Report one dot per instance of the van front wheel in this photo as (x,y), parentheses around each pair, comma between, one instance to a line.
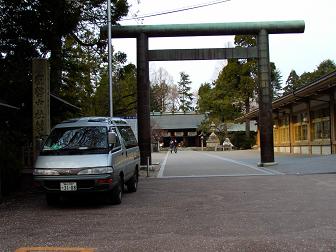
(132,184)
(115,196)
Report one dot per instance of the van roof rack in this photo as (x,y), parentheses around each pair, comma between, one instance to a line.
(110,120)
(71,120)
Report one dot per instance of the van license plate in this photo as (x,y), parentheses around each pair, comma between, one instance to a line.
(68,186)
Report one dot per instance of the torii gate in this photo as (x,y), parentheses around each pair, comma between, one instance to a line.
(260,52)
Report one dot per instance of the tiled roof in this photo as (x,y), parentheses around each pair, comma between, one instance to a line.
(176,121)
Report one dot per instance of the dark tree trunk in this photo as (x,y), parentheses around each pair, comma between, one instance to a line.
(0,186)
(56,63)
(247,121)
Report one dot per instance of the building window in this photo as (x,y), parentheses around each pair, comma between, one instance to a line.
(300,125)
(284,129)
(276,132)
(320,124)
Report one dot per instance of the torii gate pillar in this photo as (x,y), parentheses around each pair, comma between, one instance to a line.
(143,101)
(265,101)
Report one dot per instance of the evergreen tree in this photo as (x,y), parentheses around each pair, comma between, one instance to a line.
(230,90)
(275,81)
(324,68)
(185,96)
(205,94)
(292,82)
(124,92)
(236,86)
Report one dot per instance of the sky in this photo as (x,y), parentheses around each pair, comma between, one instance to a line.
(301,52)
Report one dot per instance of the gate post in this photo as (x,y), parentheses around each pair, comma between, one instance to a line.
(265,101)
(143,95)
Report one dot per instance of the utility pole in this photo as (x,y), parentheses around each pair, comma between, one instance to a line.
(109,54)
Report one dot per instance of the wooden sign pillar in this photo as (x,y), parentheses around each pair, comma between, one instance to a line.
(41,102)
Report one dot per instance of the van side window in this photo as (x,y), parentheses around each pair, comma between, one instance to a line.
(127,134)
(117,144)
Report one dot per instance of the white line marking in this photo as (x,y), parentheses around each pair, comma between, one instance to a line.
(240,163)
(162,167)
(273,171)
(211,176)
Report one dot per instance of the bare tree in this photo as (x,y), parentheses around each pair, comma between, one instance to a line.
(173,98)
(160,82)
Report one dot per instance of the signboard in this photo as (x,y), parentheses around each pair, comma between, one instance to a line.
(179,134)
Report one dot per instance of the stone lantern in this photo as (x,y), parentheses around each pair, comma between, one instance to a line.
(213,140)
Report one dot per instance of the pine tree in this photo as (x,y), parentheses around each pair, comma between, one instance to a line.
(292,82)
(275,81)
(186,97)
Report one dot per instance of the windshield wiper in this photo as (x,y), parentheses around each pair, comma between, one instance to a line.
(92,148)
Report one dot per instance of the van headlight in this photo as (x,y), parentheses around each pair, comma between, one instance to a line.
(45,172)
(96,170)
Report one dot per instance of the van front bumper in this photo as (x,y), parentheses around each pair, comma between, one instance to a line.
(84,183)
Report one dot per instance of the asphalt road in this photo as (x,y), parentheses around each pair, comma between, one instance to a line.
(239,163)
(208,164)
(252,212)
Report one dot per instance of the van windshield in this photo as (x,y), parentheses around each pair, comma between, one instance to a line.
(76,140)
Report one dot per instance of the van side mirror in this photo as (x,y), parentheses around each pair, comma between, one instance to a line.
(112,138)
(40,142)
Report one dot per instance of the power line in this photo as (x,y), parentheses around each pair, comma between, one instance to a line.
(176,10)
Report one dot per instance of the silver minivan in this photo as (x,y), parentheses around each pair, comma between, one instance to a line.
(89,155)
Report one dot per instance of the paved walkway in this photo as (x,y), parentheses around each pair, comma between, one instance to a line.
(188,163)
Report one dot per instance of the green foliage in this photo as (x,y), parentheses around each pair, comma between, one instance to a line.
(294,81)
(324,68)
(232,87)
(68,33)
(186,97)
(123,91)
(237,138)
(205,97)
(235,88)
(275,81)
(240,141)
(245,40)
(11,142)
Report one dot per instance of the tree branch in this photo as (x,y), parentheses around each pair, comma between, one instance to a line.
(74,36)
(133,94)
(128,108)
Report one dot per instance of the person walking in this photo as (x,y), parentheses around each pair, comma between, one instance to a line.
(173,145)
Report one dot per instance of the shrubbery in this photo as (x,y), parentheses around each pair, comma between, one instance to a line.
(10,162)
(240,141)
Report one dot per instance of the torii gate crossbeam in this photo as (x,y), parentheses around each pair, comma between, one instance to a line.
(261,52)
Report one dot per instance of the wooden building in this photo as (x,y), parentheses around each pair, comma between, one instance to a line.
(179,125)
(304,120)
